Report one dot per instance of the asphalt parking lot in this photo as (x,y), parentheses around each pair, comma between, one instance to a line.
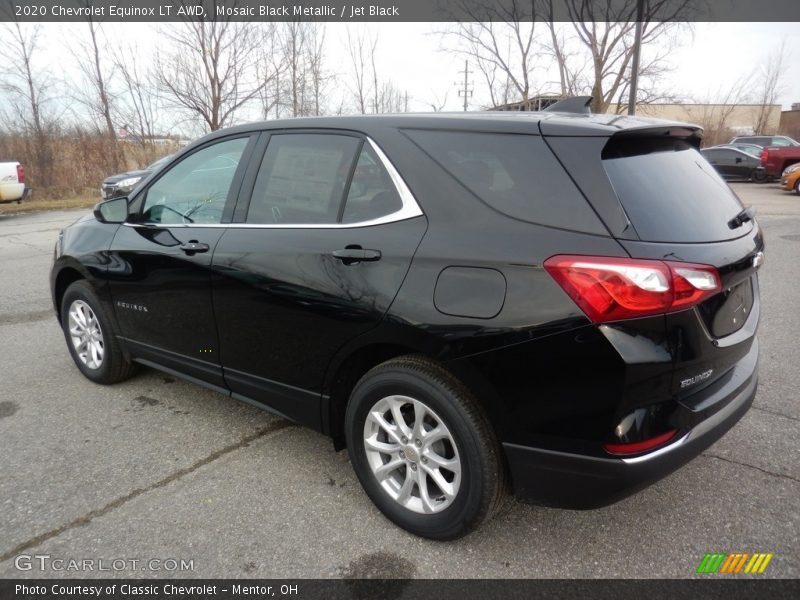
(157,468)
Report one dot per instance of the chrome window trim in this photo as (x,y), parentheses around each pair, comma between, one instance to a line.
(410,208)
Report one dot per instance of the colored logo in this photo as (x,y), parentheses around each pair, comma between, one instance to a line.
(738,562)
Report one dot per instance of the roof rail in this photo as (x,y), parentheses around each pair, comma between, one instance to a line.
(576,104)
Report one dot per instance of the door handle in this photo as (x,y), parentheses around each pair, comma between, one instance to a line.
(193,246)
(354,254)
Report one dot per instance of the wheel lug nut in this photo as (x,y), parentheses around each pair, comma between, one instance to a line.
(413,467)
(424,459)
(405,439)
(418,443)
(402,454)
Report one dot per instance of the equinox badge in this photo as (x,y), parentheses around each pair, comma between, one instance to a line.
(696,379)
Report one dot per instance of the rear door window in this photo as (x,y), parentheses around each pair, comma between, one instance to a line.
(670,192)
(302,179)
(514,174)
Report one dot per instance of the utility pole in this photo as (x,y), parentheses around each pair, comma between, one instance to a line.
(465,91)
(637,47)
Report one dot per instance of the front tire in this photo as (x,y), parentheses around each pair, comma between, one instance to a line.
(90,338)
(424,449)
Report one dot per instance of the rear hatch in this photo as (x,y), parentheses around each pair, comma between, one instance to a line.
(673,206)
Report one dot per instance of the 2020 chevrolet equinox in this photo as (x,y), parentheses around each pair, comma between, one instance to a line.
(560,304)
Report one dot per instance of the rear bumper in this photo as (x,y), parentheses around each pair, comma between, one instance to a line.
(14,192)
(577,481)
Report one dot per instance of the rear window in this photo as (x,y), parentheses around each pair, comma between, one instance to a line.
(514,174)
(670,192)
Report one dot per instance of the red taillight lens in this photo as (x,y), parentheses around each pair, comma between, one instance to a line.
(764,156)
(20,174)
(639,447)
(610,289)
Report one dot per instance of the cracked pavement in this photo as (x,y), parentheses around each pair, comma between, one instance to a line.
(160,468)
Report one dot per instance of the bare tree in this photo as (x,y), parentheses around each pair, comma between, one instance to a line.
(270,69)
(28,92)
(500,40)
(768,86)
(94,93)
(437,104)
(606,31)
(305,77)
(210,69)
(358,47)
(570,67)
(137,108)
(713,112)
(318,73)
(371,92)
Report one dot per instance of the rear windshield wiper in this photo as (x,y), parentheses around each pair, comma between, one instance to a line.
(748,214)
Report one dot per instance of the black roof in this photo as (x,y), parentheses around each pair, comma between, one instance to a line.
(538,123)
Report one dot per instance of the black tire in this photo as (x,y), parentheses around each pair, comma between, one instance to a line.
(114,367)
(797,187)
(759,176)
(482,484)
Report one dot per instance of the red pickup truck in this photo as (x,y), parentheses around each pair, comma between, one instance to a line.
(775,159)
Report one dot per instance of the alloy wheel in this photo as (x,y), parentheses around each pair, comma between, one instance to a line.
(86,334)
(412,454)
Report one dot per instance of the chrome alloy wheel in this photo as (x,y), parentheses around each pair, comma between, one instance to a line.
(86,335)
(412,454)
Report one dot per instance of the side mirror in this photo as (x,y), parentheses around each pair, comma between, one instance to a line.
(112,211)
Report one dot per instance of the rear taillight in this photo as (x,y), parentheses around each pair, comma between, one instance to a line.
(764,156)
(20,174)
(610,289)
(640,447)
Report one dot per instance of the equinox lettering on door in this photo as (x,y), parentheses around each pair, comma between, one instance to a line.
(130,306)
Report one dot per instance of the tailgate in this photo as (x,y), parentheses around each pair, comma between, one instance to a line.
(670,204)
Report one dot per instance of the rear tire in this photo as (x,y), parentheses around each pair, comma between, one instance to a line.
(90,337)
(758,176)
(424,449)
(797,186)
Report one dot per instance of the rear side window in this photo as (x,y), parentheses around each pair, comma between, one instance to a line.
(372,194)
(670,192)
(514,174)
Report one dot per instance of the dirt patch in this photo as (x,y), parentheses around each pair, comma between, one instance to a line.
(382,575)
(146,401)
(8,408)
(26,317)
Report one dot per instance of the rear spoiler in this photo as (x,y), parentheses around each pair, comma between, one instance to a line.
(657,136)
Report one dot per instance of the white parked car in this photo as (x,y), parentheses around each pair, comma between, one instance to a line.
(12,182)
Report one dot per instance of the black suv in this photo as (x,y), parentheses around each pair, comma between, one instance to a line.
(563,304)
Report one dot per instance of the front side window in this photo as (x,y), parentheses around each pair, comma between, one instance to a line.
(196,189)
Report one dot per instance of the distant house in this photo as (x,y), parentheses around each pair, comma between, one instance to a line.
(790,122)
(531,104)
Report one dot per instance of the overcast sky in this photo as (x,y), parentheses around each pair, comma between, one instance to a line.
(411,55)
